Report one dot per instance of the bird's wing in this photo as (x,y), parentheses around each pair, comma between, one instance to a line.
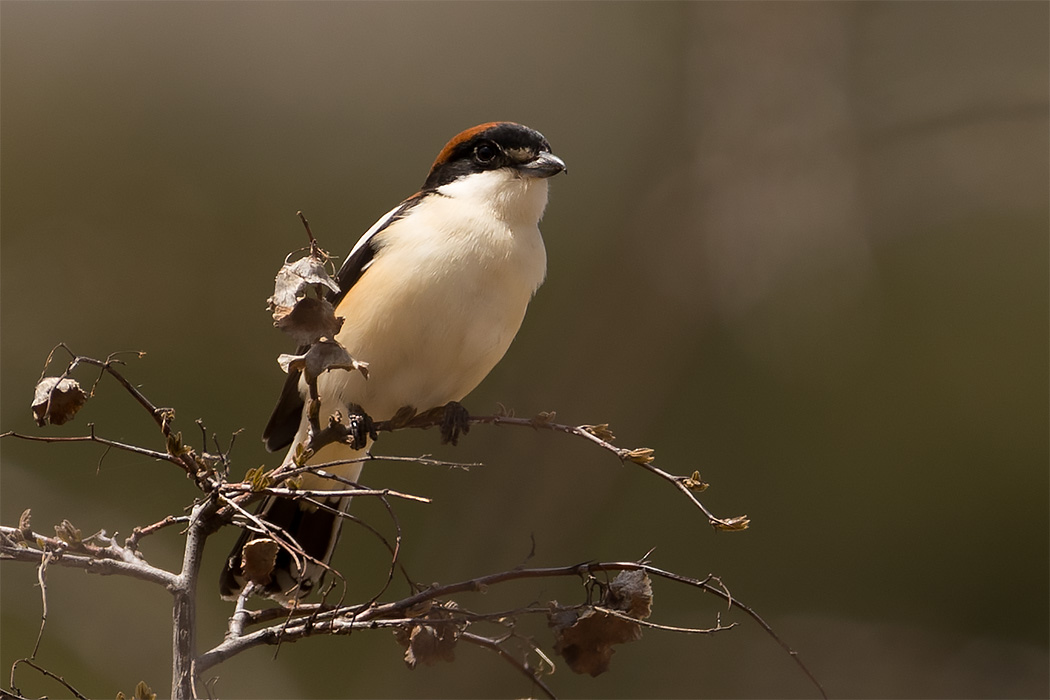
(287,414)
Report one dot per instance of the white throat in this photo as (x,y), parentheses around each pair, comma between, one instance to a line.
(509,196)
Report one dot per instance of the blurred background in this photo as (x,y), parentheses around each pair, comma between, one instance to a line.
(802,248)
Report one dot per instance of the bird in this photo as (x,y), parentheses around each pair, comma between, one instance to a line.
(431,297)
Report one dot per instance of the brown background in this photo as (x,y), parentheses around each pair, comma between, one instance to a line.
(801,248)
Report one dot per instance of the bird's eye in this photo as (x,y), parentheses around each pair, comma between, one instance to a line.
(485,153)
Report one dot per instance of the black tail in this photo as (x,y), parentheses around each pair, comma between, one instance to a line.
(315,530)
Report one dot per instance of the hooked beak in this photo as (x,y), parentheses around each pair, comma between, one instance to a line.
(543,165)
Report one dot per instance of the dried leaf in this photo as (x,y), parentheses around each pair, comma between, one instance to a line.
(429,642)
(56,400)
(631,592)
(293,282)
(695,483)
(642,455)
(321,357)
(585,639)
(309,320)
(24,528)
(257,560)
(175,446)
(740,522)
(144,692)
(68,533)
(328,354)
(544,417)
(291,363)
(600,431)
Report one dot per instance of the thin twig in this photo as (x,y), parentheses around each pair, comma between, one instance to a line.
(138,533)
(47,673)
(719,627)
(94,438)
(493,645)
(323,493)
(41,577)
(642,457)
(107,367)
(306,224)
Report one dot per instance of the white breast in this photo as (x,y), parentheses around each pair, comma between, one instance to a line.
(444,296)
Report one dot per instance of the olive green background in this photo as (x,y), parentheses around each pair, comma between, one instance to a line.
(801,248)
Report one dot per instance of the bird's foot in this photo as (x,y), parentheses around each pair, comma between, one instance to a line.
(359,427)
(455,421)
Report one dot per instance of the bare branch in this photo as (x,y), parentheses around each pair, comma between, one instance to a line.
(41,577)
(225,501)
(719,627)
(494,645)
(321,493)
(153,454)
(107,367)
(44,671)
(184,592)
(113,559)
(132,542)
(599,435)
(344,620)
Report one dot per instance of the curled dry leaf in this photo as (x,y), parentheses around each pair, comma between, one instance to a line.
(144,692)
(740,522)
(585,636)
(56,400)
(309,320)
(695,483)
(431,641)
(631,592)
(322,356)
(24,527)
(600,431)
(642,455)
(294,280)
(68,533)
(544,418)
(257,560)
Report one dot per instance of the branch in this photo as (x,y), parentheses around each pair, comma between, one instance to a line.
(41,577)
(177,453)
(107,368)
(184,591)
(343,620)
(113,559)
(153,454)
(321,493)
(599,435)
(44,671)
(132,542)
(494,646)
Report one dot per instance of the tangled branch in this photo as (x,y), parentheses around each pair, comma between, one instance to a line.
(429,622)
